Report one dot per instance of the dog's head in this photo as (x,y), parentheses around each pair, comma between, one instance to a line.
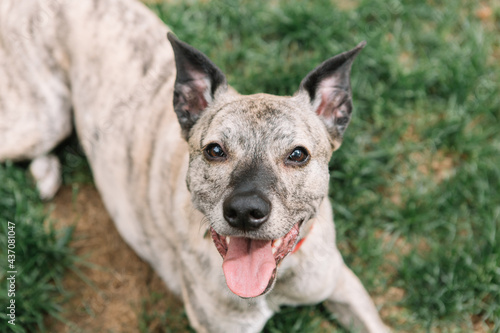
(258,167)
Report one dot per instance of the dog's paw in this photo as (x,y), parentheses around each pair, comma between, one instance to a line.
(46,171)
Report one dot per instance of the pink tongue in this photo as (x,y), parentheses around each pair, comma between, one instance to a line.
(248,266)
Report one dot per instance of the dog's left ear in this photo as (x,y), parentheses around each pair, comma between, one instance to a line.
(329,90)
(198,80)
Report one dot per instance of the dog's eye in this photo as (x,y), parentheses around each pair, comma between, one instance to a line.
(299,156)
(214,152)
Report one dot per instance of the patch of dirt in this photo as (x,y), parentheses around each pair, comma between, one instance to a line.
(346,5)
(485,13)
(118,296)
(391,311)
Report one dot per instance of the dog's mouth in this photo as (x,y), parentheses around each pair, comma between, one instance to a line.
(250,265)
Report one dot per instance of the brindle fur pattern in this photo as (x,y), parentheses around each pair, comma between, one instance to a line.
(257,135)
(106,69)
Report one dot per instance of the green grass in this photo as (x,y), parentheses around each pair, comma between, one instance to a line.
(416,185)
(42,255)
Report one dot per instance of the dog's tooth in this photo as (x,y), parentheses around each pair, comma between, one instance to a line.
(274,249)
(228,239)
(277,243)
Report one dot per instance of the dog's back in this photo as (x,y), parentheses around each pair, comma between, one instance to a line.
(106,68)
(101,58)
(33,92)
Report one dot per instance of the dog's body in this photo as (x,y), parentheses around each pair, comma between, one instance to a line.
(261,156)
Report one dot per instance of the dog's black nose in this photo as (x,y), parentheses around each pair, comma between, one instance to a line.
(247,210)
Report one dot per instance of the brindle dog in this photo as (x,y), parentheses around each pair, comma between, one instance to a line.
(228,202)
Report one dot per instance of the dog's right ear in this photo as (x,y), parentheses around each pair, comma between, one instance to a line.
(198,81)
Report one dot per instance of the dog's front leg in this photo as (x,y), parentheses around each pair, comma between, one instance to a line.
(352,304)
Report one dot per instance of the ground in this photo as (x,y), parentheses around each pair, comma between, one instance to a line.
(119,283)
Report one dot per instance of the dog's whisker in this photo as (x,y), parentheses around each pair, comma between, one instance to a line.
(204,224)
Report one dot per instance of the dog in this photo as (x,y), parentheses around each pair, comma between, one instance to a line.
(224,195)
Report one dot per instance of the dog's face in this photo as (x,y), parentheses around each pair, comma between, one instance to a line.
(259,153)
(258,164)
